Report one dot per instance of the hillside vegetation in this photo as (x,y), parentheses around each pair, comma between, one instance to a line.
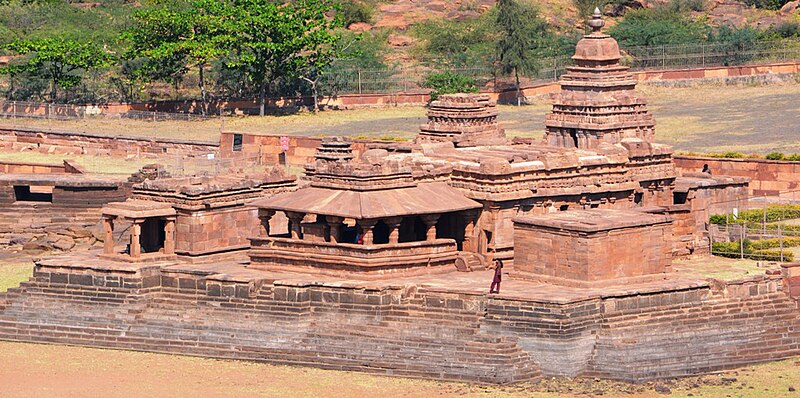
(67,51)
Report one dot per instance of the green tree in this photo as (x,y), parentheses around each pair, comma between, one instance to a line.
(449,83)
(59,60)
(277,39)
(659,26)
(175,37)
(521,30)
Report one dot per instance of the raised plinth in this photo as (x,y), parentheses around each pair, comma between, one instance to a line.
(593,247)
(361,261)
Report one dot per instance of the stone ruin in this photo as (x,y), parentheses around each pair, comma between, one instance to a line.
(376,262)
(463,119)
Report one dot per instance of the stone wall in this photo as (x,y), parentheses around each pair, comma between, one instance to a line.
(301,149)
(408,330)
(67,166)
(767,177)
(73,143)
(215,230)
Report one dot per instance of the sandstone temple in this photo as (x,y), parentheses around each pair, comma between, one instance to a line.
(376,260)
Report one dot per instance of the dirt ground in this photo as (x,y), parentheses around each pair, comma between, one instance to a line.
(34,370)
(709,118)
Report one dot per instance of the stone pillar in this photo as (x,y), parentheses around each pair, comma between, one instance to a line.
(430,226)
(470,217)
(169,236)
(108,229)
(296,219)
(334,225)
(366,230)
(265,215)
(136,232)
(394,228)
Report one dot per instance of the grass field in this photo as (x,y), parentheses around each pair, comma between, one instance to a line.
(757,119)
(32,370)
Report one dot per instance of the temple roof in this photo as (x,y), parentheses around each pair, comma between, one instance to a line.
(425,198)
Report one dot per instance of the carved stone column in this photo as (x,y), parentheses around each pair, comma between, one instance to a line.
(108,229)
(335,226)
(470,217)
(296,219)
(169,236)
(430,226)
(265,215)
(136,232)
(394,228)
(366,230)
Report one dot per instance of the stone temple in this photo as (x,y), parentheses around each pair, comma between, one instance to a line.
(376,259)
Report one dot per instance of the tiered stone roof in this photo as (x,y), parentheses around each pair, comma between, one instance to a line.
(598,103)
(464,119)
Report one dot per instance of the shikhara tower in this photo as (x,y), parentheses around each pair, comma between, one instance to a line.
(598,103)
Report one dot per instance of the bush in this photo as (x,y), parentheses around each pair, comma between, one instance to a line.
(749,249)
(775,156)
(449,83)
(794,158)
(767,4)
(358,11)
(764,244)
(658,26)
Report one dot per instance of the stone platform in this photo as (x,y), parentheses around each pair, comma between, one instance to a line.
(434,326)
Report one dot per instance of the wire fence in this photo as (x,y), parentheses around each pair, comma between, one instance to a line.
(763,228)
(344,79)
(43,110)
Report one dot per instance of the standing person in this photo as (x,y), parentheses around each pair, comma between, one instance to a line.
(498,277)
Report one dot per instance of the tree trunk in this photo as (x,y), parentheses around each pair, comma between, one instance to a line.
(262,98)
(516,76)
(202,84)
(54,91)
(316,97)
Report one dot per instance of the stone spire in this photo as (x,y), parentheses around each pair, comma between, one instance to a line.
(598,103)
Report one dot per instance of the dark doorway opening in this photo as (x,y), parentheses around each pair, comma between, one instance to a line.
(24,193)
(153,235)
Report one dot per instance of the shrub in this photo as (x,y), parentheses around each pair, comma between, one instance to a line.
(794,158)
(449,83)
(734,250)
(775,156)
(358,11)
(773,243)
(658,26)
(767,4)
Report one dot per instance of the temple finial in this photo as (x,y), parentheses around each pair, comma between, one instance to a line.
(597,22)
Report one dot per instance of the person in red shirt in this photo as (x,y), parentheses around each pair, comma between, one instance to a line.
(498,277)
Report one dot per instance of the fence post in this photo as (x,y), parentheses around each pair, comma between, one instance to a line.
(764,224)
(780,241)
(741,241)
(359,81)
(703,46)
(663,57)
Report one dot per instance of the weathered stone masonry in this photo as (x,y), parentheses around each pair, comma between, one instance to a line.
(408,331)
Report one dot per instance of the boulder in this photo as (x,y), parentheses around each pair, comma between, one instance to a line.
(400,41)
(359,27)
(790,7)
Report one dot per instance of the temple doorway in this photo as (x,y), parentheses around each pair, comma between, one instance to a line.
(153,235)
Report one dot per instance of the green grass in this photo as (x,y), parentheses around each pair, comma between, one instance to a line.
(14,271)
(92,164)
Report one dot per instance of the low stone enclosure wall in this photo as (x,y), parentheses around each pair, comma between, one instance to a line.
(634,333)
(72,143)
(767,177)
(67,167)
(503,94)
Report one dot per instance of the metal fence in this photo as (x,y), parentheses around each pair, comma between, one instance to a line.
(763,228)
(344,79)
(43,110)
